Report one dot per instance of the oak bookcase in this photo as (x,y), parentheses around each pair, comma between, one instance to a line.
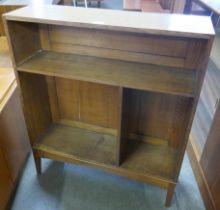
(110,89)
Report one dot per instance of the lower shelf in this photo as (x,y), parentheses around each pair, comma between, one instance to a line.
(151,159)
(78,143)
(144,160)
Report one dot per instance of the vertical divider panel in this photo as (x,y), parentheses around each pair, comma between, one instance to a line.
(44,36)
(52,92)
(122,135)
(119,143)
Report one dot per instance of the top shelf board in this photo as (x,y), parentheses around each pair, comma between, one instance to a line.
(149,23)
(28,2)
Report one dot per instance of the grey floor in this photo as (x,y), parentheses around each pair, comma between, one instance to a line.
(72,187)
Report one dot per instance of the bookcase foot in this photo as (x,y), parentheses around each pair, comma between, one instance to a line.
(37,160)
(170,192)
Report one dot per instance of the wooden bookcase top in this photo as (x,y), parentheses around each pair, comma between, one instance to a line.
(150,23)
(28,2)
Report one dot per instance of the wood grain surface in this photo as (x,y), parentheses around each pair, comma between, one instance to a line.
(150,23)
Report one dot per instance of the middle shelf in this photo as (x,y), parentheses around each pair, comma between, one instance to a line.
(176,81)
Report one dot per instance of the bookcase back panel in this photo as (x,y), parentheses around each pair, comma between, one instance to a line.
(99,104)
(161,116)
(195,54)
(118,41)
(68,98)
(145,107)
(181,119)
(159,50)
(85,102)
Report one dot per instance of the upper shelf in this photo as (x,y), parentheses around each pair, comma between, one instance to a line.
(150,23)
(155,78)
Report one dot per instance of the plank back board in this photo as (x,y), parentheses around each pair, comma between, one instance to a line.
(151,49)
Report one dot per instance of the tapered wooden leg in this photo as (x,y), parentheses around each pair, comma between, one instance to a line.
(170,192)
(37,160)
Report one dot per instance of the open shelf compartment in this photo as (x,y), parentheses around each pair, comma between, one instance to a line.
(152,132)
(150,159)
(79,119)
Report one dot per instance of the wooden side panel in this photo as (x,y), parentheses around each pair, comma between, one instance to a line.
(216,192)
(14,135)
(5,181)
(199,175)
(206,106)
(25,39)
(4,9)
(210,158)
(36,104)
(201,66)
